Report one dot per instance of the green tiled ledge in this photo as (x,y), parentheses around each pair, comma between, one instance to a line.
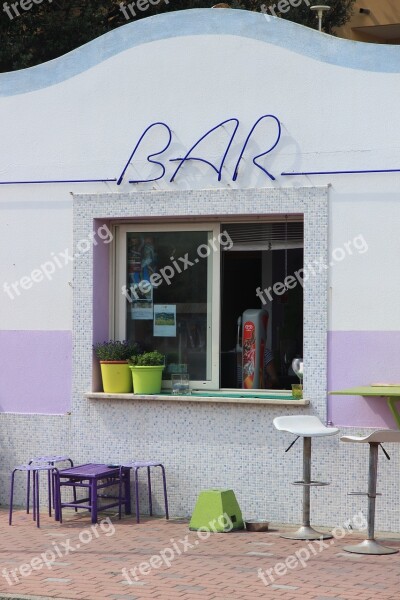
(204,397)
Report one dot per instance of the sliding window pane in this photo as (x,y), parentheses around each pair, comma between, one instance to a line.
(169,307)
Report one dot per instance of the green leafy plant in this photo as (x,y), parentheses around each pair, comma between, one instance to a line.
(147,359)
(340,13)
(116,350)
(50,29)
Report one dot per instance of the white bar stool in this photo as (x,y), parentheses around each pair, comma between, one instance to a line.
(375,439)
(306,427)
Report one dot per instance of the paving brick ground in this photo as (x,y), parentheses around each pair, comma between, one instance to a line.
(88,564)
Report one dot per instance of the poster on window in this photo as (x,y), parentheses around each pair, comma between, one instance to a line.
(142,304)
(141,265)
(164,320)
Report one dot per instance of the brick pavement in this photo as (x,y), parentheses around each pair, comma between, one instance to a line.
(222,567)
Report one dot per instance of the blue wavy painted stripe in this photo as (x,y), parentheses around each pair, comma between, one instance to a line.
(302,40)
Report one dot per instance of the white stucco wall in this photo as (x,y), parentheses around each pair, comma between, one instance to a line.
(85,127)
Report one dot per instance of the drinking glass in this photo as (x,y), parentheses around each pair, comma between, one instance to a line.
(297,391)
(180,384)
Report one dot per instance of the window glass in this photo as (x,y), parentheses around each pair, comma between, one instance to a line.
(169,297)
(175,299)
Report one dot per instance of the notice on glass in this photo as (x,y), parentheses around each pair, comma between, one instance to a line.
(164,320)
(142,304)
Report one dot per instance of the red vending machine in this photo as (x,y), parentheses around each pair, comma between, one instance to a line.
(254,335)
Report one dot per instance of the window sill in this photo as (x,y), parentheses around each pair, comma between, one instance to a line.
(278,399)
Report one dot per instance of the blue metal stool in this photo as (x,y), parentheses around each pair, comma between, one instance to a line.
(47,460)
(148,464)
(35,469)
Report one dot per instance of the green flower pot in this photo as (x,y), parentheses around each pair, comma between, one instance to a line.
(116,376)
(147,380)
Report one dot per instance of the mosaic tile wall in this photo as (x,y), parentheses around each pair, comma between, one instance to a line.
(210,445)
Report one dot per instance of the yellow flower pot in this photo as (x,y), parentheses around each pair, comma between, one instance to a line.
(116,376)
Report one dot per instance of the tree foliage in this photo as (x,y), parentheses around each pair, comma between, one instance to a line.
(54,27)
(338,15)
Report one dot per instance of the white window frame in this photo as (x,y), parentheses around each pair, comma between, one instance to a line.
(118,315)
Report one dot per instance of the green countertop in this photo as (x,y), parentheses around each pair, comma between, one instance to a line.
(370,390)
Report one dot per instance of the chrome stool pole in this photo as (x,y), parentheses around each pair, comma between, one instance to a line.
(306,532)
(370,545)
(306,427)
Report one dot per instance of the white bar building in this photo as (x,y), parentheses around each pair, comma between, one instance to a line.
(262,159)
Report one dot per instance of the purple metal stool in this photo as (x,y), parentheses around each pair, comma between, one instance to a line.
(33,468)
(136,465)
(46,460)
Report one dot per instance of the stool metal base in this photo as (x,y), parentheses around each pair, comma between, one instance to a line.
(370,547)
(306,533)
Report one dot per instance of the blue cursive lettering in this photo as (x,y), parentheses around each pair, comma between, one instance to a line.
(149,157)
(235,174)
(189,157)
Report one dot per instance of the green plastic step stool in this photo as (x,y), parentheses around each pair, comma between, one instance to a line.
(216,510)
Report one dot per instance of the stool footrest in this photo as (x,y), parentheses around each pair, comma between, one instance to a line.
(310,483)
(363,494)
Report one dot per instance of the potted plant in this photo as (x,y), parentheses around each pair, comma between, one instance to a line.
(147,371)
(113,357)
